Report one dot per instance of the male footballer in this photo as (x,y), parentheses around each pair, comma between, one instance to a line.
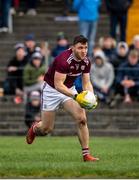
(58,90)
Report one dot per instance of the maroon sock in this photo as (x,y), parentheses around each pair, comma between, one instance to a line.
(85,151)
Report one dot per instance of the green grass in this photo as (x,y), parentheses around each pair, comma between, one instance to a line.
(60,157)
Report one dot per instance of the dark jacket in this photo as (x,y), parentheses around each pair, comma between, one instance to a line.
(58,49)
(118,6)
(117,61)
(19,64)
(128,71)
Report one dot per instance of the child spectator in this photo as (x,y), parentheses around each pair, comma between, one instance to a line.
(102,76)
(33,73)
(32,109)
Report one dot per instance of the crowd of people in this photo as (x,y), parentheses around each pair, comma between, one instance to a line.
(115,67)
(114,71)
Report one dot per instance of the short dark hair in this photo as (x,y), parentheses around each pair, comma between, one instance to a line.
(80,39)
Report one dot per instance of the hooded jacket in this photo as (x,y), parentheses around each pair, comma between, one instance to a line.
(102,76)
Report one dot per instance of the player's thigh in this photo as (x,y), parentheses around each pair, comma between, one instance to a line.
(75,110)
(48,119)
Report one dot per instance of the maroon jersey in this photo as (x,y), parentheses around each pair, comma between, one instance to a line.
(67,64)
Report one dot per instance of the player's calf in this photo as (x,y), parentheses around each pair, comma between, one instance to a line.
(36,130)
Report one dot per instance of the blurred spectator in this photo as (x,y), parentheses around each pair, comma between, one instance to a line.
(96,48)
(62,44)
(118,10)
(30,45)
(5,6)
(121,55)
(102,76)
(33,73)
(13,84)
(88,12)
(32,109)
(108,45)
(128,78)
(135,44)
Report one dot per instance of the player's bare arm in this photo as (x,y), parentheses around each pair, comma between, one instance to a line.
(86,83)
(59,79)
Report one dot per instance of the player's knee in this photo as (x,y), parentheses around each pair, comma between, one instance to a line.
(81,119)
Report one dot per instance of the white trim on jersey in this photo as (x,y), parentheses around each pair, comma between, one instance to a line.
(74,74)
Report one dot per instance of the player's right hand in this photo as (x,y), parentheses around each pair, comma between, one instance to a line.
(80,98)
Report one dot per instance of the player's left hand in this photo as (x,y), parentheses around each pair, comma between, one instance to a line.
(81,100)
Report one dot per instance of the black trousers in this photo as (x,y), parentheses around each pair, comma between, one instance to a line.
(121,20)
(133,91)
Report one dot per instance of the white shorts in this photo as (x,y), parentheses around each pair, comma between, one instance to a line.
(51,99)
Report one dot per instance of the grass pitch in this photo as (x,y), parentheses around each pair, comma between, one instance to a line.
(60,157)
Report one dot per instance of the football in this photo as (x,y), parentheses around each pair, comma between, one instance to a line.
(91,98)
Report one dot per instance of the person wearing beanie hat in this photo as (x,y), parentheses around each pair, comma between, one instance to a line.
(33,73)
(13,84)
(36,55)
(61,45)
(30,37)
(18,46)
(32,110)
(30,45)
(121,55)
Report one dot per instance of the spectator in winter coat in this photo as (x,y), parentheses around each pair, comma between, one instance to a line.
(102,76)
(121,55)
(14,81)
(62,44)
(88,12)
(128,77)
(30,45)
(33,73)
(118,10)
